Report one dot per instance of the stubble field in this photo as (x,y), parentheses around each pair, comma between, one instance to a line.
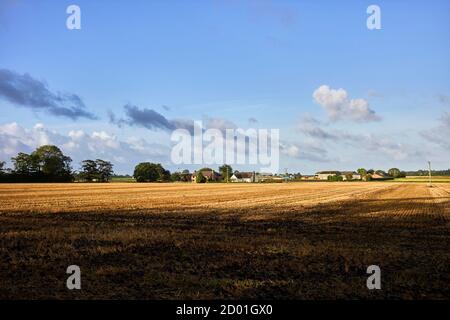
(247,241)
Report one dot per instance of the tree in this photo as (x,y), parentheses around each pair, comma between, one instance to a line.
(176,177)
(89,170)
(226,171)
(104,169)
(2,167)
(370,171)
(164,175)
(150,172)
(362,172)
(22,163)
(349,176)
(185,176)
(46,163)
(394,172)
(50,161)
(99,170)
(335,178)
(200,178)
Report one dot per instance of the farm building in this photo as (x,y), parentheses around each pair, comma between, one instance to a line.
(323,175)
(243,177)
(379,175)
(354,175)
(210,175)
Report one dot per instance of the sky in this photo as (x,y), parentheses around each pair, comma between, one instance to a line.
(341,95)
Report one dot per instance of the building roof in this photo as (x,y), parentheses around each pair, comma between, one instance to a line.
(349,172)
(328,172)
(243,175)
(207,174)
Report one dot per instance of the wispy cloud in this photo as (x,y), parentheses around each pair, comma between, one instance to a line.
(441,133)
(26,91)
(369,143)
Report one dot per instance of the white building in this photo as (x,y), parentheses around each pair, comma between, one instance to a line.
(323,175)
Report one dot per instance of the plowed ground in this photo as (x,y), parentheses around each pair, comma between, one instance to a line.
(174,241)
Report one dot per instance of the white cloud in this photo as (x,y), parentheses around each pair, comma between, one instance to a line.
(80,145)
(339,107)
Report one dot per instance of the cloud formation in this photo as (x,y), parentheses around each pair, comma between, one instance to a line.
(370,143)
(153,120)
(81,145)
(339,107)
(304,151)
(25,91)
(440,134)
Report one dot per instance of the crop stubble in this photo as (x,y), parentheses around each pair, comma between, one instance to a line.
(291,240)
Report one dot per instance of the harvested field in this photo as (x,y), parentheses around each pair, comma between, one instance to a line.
(173,241)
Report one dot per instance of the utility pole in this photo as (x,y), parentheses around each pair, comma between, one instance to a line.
(429,172)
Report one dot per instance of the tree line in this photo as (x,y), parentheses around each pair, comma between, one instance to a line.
(49,164)
(426,173)
(392,173)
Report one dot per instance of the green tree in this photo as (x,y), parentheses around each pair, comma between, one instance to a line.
(176,176)
(185,176)
(150,172)
(349,176)
(226,171)
(50,161)
(394,172)
(335,178)
(104,169)
(22,163)
(2,166)
(370,171)
(200,178)
(362,172)
(46,163)
(89,170)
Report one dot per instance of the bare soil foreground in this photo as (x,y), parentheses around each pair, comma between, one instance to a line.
(174,241)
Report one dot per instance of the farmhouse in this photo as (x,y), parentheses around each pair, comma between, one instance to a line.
(350,174)
(243,177)
(323,175)
(209,174)
(379,175)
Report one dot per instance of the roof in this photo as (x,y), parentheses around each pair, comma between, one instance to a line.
(328,172)
(244,175)
(207,173)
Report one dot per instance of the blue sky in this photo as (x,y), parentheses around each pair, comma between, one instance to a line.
(231,61)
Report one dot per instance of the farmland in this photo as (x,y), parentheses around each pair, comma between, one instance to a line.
(206,241)
(426,179)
